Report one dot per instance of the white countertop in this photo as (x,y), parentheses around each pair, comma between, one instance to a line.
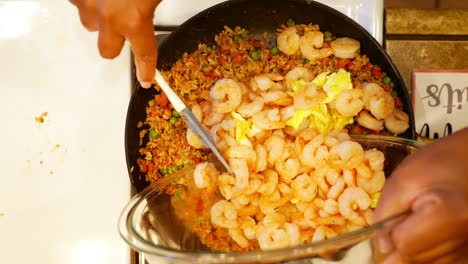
(60,204)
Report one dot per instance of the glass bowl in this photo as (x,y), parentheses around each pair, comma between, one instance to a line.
(149,225)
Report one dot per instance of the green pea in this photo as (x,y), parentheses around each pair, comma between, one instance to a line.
(173,120)
(255,55)
(175,114)
(386,79)
(327,34)
(236,37)
(204,68)
(165,172)
(175,168)
(152,134)
(274,51)
(290,23)
(187,164)
(394,93)
(208,49)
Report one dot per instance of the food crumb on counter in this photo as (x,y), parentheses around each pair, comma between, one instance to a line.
(51,172)
(41,162)
(40,119)
(2,215)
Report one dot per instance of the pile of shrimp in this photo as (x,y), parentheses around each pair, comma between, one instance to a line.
(289,185)
(377,105)
(292,182)
(285,191)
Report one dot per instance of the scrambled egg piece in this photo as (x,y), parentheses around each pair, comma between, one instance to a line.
(336,83)
(299,116)
(321,118)
(242,129)
(321,79)
(375,199)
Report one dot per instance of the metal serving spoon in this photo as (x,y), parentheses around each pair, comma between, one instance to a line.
(190,119)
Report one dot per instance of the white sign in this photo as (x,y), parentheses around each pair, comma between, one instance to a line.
(440,101)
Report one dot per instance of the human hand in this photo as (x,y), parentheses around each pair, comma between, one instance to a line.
(433,183)
(117,20)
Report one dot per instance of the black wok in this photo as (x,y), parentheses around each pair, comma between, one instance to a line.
(257,16)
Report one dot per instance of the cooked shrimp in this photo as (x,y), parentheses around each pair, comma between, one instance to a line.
(363,170)
(311,46)
(279,237)
(345,48)
(265,81)
(319,178)
(226,186)
(204,175)
(308,158)
(368,121)
(193,139)
(269,204)
(381,106)
(349,102)
(270,182)
(229,125)
(284,188)
(240,201)
(371,90)
(332,176)
(273,221)
(397,122)
(212,118)
(242,152)
(261,161)
(349,177)
(252,208)
(350,152)
(336,189)
(331,141)
(247,224)
(331,206)
(308,97)
(248,109)
(224,214)
(288,169)
(375,158)
(297,74)
(268,119)
(372,185)
(274,146)
(288,41)
(254,184)
(287,112)
(280,98)
(352,199)
(241,171)
(304,188)
(322,233)
(197,112)
(226,95)
(238,236)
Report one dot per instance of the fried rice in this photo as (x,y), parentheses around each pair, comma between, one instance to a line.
(240,57)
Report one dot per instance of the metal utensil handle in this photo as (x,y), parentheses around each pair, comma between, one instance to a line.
(207,140)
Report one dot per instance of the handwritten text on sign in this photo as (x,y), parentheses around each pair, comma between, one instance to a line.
(440,102)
